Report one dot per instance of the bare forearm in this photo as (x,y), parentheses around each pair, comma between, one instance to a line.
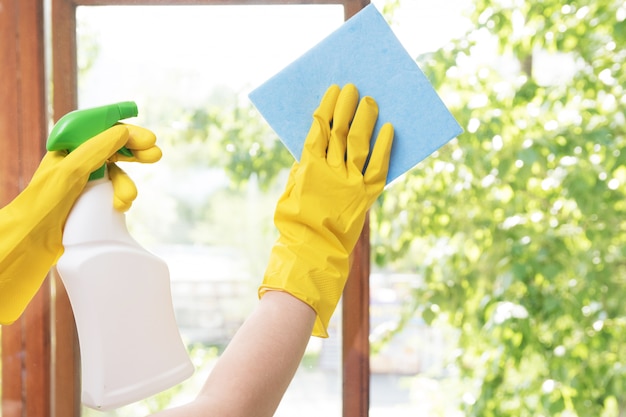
(258,365)
(256,368)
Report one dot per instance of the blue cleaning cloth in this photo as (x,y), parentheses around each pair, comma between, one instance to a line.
(364,51)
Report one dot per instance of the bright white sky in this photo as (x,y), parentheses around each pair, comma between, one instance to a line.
(194,48)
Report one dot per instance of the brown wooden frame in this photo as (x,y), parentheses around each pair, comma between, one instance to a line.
(26,343)
(40,358)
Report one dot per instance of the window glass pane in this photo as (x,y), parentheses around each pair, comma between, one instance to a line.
(189,68)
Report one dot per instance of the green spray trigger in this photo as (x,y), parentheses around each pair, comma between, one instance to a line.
(78,126)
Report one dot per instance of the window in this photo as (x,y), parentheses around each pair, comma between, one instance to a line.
(191,83)
(43,345)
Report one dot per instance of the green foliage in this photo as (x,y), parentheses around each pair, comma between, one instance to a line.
(518,227)
(237,140)
(222,162)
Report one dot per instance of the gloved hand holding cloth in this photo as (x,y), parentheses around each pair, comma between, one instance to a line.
(322,211)
(32,224)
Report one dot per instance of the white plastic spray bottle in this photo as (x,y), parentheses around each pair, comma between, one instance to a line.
(120,293)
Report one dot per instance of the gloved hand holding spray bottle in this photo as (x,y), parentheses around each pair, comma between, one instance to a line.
(120,293)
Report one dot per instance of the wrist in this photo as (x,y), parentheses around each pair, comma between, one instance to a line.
(316,276)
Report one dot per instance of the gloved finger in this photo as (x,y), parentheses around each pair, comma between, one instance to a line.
(147,156)
(361,134)
(140,138)
(92,154)
(378,166)
(142,143)
(291,179)
(124,189)
(342,117)
(284,198)
(316,141)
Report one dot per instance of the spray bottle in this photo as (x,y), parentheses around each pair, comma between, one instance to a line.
(120,293)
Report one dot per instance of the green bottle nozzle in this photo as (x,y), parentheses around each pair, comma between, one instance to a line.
(78,126)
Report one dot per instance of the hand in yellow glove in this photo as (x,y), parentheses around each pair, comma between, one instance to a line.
(31,225)
(322,211)
(142,143)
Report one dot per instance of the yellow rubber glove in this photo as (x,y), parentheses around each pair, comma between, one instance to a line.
(322,211)
(142,143)
(31,225)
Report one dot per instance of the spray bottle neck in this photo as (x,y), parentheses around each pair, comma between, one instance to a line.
(93,218)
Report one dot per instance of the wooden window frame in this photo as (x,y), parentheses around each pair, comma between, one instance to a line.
(23,127)
(40,356)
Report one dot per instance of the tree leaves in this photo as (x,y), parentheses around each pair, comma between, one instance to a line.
(518,227)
